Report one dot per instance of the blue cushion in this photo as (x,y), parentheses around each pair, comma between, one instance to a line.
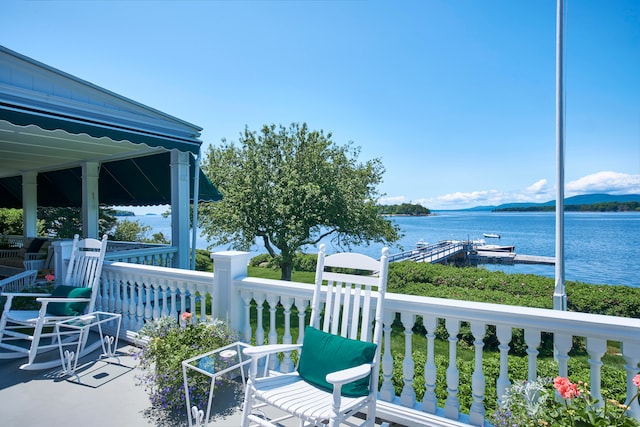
(324,353)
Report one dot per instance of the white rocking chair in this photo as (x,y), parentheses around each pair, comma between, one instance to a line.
(76,296)
(338,367)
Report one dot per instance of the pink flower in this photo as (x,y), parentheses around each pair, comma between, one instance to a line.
(636,380)
(186,316)
(566,388)
(50,277)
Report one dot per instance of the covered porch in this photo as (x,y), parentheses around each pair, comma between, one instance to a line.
(142,293)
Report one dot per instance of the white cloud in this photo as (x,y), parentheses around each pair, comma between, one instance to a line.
(604,182)
(537,187)
(393,200)
(538,192)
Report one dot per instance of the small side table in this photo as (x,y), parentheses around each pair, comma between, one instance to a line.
(81,326)
(219,362)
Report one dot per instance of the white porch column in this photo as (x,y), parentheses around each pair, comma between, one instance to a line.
(90,172)
(228,305)
(180,207)
(30,203)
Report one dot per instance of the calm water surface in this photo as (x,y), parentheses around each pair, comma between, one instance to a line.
(602,248)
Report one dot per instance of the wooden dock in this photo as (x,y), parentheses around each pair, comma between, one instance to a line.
(446,251)
(489,257)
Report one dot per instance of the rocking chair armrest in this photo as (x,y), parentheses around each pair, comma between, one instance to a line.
(349,375)
(264,350)
(24,294)
(58,299)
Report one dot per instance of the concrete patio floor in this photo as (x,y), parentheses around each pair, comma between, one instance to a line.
(104,395)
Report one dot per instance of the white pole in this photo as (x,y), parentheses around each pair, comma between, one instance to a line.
(194,222)
(559,294)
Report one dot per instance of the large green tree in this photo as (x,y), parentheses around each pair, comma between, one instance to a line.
(292,187)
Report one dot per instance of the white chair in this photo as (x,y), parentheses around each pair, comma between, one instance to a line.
(339,363)
(18,282)
(76,296)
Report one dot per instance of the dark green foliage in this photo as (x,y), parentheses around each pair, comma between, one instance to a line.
(66,222)
(596,207)
(404,209)
(301,262)
(529,290)
(203,260)
(11,221)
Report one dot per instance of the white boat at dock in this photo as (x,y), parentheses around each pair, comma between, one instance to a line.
(491,235)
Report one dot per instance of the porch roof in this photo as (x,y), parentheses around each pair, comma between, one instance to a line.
(52,122)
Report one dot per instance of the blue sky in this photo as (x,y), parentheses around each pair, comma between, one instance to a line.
(456,97)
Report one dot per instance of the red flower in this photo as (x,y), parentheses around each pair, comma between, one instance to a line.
(566,388)
(186,316)
(636,380)
(50,277)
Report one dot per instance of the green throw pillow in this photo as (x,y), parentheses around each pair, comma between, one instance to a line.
(68,308)
(324,353)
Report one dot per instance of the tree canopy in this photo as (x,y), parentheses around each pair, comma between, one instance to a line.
(292,187)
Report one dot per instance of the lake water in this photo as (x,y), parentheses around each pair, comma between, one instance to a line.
(600,248)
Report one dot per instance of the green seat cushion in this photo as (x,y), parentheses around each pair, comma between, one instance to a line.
(68,308)
(324,353)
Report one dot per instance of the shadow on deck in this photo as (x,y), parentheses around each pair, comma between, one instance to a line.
(103,394)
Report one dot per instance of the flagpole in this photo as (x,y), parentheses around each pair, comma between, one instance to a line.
(559,294)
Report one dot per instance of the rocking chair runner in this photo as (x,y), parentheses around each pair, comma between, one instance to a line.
(337,375)
(76,296)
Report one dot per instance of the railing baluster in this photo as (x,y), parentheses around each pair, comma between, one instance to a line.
(387,392)
(452,405)
(596,347)
(133,303)
(139,302)
(164,291)
(246,298)
(259,298)
(287,363)
(272,300)
(408,395)
(148,293)
(155,287)
(192,301)
(504,333)
(532,339)
(301,305)
(173,290)
(477,410)
(562,344)
(429,401)
(631,354)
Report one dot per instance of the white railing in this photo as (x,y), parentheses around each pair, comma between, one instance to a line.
(158,255)
(142,293)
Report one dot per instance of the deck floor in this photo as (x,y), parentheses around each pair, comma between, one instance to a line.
(105,395)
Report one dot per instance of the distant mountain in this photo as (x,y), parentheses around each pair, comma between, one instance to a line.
(584,199)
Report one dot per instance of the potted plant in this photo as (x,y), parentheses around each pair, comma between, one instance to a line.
(169,342)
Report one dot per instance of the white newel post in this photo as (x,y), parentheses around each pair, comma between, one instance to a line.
(227,304)
(61,254)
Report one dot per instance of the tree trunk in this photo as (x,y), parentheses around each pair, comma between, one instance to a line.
(287,269)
